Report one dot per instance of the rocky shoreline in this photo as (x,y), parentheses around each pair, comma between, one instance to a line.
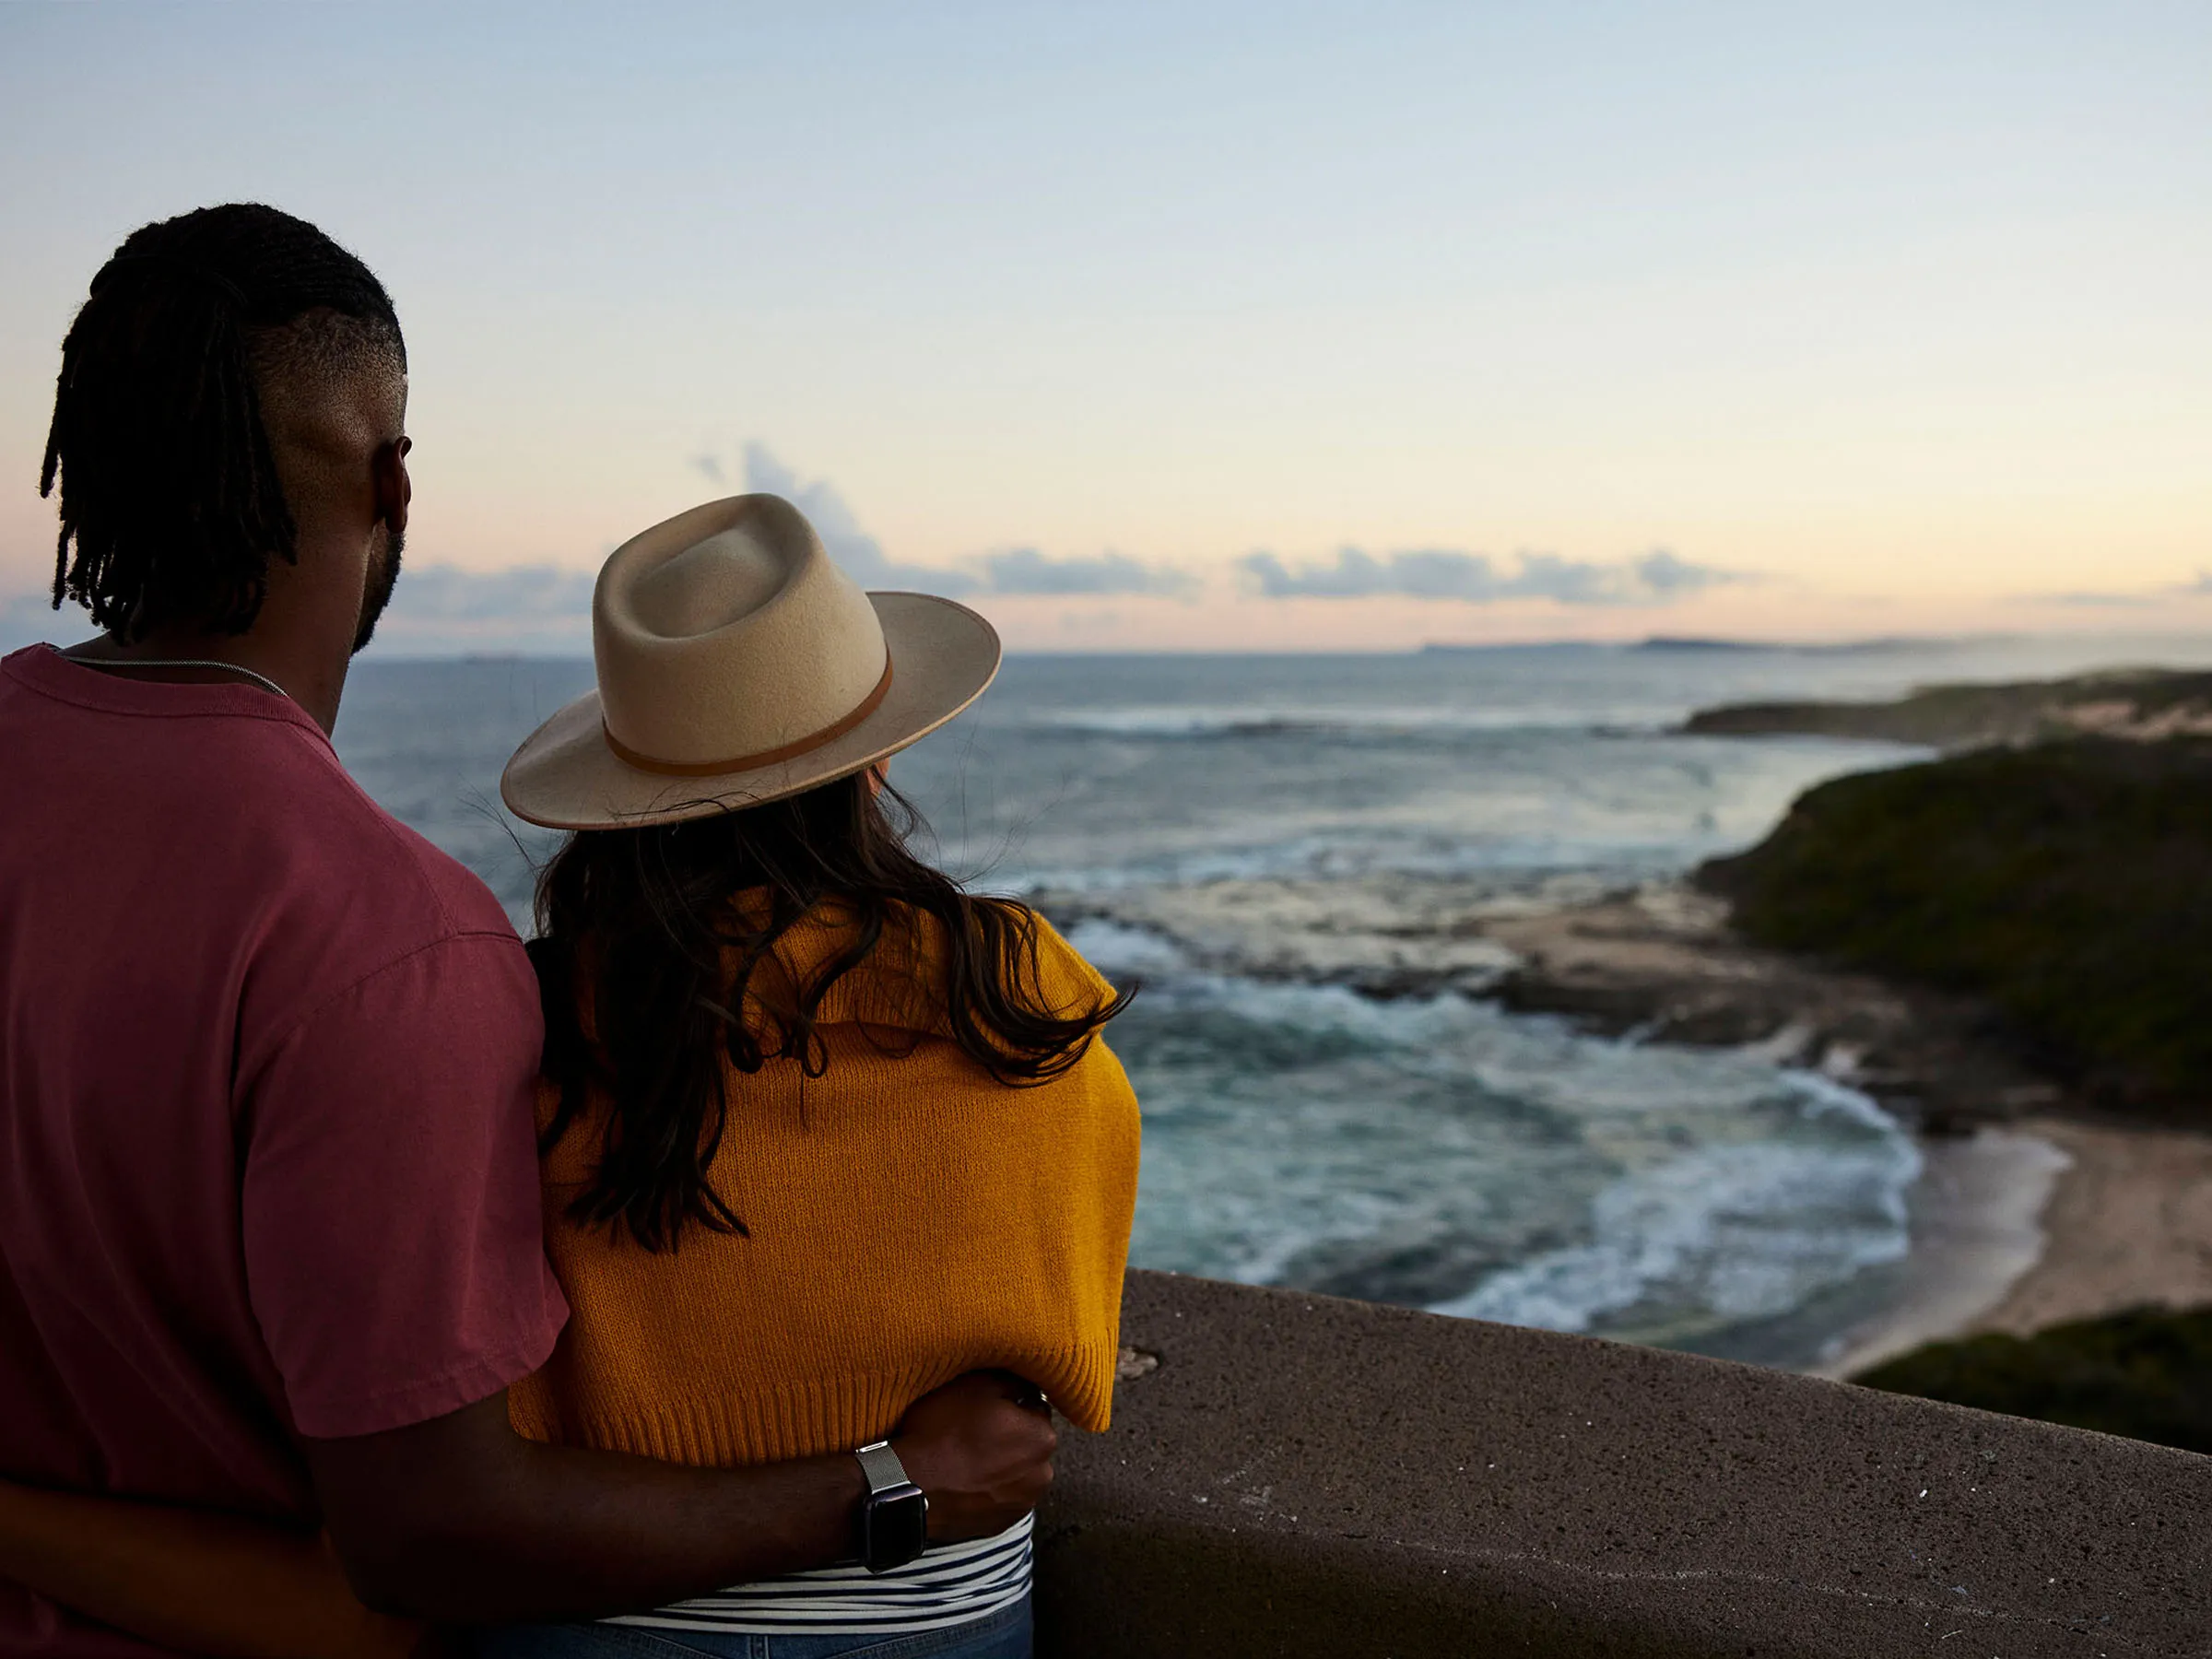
(1659,961)
(2038,1204)
(2004,948)
(1663,962)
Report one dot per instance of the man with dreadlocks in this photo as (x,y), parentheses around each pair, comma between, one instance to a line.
(269,1215)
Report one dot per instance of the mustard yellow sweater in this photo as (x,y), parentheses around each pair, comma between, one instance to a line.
(910,1220)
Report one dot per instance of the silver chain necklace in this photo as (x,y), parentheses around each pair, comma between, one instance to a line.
(263,680)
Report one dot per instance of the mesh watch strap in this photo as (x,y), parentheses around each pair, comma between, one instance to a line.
(882,1467)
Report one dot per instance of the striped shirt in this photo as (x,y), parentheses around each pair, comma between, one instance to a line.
(949,1585)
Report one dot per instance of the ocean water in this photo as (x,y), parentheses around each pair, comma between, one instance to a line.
(1282,853)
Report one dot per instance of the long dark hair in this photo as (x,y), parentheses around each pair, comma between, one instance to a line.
(649,953)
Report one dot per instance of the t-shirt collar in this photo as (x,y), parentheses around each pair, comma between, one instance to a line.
(44,669)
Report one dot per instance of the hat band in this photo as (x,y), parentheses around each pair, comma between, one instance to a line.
(789,751)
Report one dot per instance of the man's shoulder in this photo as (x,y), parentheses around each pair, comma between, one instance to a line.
(386,886)
(355,898)
(337,887)
(253,765)
(243,795)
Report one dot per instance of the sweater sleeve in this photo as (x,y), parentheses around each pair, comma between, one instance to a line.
(1092,1180)
(1093,1177)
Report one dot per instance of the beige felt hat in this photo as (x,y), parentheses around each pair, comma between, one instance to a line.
(738,664)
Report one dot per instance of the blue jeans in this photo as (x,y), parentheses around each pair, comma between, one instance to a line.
(1002,1635)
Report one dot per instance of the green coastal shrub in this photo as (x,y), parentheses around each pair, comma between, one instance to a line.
(2070,884)
(2146,1374)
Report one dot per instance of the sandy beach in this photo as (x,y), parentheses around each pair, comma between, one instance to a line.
(1977,1229)
(2128,1224)
(2018,1230)
(2029,1212)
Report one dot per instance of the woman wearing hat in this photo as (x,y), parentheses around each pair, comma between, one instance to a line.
(820,1130)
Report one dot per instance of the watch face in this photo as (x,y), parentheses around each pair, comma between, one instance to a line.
(894,1527)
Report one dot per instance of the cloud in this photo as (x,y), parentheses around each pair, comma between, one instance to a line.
(29,618)
(545,609)
(540,592)
(1025,570)
(2130,599)
(859,554)
(2090,601)
(1658,577)
(1013,573)
(438,610)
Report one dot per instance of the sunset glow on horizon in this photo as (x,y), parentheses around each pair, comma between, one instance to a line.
(1221,328)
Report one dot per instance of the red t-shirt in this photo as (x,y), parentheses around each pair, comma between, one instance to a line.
(266,1164)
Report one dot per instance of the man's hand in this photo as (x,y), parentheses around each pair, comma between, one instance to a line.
(461,1521)
(981,1448)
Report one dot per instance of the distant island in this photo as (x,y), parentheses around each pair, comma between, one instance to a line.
(1691,644)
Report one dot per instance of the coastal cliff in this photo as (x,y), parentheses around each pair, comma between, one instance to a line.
(2049,895)
(2068,887)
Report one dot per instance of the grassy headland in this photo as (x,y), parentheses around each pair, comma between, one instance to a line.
(2123,702)
(2141,1373)
(2064,880)
(2069,884)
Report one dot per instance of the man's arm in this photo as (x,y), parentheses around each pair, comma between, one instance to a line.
(462,1521)
(191,1581)
(427,1538)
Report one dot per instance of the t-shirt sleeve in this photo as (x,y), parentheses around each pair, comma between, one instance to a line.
(392,1219)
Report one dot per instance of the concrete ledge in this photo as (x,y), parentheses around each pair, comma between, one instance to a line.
(1305,1476)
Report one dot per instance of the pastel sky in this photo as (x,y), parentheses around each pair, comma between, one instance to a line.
(1218,326)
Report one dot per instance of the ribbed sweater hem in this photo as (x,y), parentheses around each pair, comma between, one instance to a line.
(803,1418)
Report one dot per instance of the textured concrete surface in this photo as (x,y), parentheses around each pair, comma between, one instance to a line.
(1299,1476)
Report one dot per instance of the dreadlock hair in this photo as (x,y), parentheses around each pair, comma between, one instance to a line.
(168,487)
(655,961)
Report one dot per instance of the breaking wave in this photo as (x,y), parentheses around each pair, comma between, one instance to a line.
(1439,1152)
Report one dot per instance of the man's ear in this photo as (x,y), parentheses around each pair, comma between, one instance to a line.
(394,489)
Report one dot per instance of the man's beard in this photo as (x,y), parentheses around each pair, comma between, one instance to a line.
(376,592)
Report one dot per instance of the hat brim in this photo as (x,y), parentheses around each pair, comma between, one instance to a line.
(565,776)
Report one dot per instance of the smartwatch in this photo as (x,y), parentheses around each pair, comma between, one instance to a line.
(894,1519)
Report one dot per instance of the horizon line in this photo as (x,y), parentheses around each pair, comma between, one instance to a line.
(1656,644)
